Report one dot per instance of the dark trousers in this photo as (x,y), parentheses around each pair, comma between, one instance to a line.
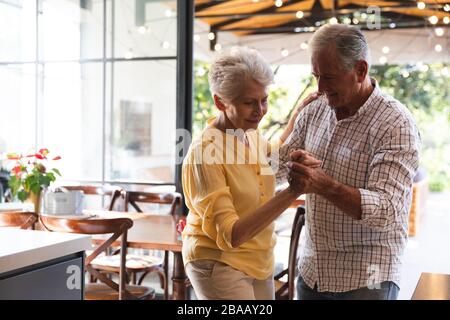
(388,291)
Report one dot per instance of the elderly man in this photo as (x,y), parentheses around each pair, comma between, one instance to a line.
(357,202)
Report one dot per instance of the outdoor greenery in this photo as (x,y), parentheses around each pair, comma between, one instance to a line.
(424,89)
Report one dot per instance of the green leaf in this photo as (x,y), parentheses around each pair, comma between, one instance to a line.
(22,195)
(57,172)
(35,188)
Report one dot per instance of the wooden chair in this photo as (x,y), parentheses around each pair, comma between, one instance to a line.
(114,192)
(139,263)
(284,290)
(20,219)
(109,290)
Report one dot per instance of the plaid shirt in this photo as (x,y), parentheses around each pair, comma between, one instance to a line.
(376,150)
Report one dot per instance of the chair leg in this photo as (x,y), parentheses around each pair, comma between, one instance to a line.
(166,275)
(142,278)
(133,278)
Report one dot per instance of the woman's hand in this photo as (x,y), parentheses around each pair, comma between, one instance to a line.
(290,126)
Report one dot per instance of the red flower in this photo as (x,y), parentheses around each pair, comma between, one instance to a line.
(16,170)
(39,156)
(57,158)
(44,151)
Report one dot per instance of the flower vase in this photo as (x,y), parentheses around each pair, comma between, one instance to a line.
(35,199)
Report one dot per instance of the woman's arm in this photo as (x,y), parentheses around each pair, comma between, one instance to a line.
(247,227)
(290,126)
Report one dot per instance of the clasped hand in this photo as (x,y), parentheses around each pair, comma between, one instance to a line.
(306,174)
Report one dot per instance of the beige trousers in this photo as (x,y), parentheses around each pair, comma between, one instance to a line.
(214,280)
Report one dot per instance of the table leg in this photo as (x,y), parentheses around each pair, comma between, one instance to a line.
(179,278)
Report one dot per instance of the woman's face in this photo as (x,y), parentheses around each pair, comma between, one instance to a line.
(247,110)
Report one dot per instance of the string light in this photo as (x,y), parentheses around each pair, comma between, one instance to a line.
(304,45)
(299,14)
(447,8)
(278,3)
(405,74)
(284,52)
(347,20)
(218,47)
(355,21)
(129,54)
(433,19)
(255,1)
(298,29)
(385,50)
(168,13)
(438,48)
(211,36)
(383,60)
(333,20)
(446,20)
(201,72)
(424,68)
(196,38)
(439,32)
(392,25)
(444,71)
(421,5)
(142,29)
(166,45)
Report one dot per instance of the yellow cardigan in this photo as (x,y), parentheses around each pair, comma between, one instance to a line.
(217,192)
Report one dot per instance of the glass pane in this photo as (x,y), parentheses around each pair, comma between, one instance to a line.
(141,142)
(72,117)
(18,108)
(70,29)
(144,28)
(17,30)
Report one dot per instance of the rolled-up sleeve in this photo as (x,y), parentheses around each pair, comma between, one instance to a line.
(211,200)
(391,171)
(281,151)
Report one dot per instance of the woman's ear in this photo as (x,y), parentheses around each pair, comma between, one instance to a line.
(219,103)
(362,68)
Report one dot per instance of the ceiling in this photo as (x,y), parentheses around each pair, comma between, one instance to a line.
(280,29)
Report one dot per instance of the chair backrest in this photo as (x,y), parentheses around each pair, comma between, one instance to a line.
(23,220)
(118,227)
(287,290)
(113,192)
(170,198)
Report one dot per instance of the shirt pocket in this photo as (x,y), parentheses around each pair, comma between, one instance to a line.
(351,167)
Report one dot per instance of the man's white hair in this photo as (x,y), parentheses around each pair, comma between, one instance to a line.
(229,72)
(351,45)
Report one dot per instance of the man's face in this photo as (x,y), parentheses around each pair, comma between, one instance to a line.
(247,110)
(339,86)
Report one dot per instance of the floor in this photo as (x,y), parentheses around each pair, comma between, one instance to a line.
(428,251)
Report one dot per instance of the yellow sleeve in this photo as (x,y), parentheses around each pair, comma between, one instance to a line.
(209,197)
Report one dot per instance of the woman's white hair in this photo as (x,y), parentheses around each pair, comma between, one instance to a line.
(351,46)
(230,71)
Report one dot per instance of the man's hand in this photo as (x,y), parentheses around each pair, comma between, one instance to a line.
(306,160)
(306,177)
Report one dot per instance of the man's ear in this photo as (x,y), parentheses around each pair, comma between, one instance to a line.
(361,68)
(219,103)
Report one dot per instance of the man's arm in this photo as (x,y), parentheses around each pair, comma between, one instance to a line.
(314,180)
(390,179)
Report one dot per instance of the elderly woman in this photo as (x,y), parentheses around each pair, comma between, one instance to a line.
(229,237)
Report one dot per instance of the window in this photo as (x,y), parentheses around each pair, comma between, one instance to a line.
(94,81)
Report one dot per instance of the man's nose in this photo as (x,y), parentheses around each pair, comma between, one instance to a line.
(321,85)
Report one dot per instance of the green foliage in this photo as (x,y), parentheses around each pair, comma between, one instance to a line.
(29,174)
(425,90)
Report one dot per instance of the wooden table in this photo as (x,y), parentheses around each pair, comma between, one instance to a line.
(154,232)
(432,286)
